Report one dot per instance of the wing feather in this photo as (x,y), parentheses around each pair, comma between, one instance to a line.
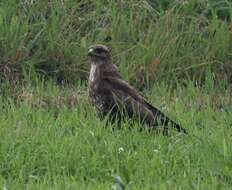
(127,96)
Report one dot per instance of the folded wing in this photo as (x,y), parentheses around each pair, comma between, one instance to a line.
(134,103)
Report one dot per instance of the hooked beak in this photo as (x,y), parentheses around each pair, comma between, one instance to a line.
(90,51)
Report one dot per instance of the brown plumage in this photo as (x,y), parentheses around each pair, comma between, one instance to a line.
(110,94)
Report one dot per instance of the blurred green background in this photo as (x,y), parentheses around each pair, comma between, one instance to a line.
(151,41)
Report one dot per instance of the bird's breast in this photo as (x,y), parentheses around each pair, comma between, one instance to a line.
(94,77)
(93,72)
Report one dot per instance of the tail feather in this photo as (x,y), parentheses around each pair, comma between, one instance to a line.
(179,128)
(164,119)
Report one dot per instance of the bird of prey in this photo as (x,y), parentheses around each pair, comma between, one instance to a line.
(112,95)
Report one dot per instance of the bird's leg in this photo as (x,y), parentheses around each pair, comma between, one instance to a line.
(165,131)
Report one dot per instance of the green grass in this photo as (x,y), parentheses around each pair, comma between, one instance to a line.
(150,40)
(178,52)
(50,138)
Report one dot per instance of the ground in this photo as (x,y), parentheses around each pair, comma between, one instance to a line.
(177,53)
(51,138)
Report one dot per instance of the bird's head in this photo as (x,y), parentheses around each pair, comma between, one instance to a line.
(99,53)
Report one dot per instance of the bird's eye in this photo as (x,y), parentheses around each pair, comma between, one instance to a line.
(98,51)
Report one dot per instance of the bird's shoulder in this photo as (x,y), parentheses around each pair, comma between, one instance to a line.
(120,86)
(109,70)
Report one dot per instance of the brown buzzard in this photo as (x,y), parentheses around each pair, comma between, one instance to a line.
(110,94)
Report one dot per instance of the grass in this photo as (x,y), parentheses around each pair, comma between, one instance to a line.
(177,52)
(152,40)
(50,138)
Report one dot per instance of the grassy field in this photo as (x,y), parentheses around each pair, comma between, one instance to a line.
(150,40)
(177,53)
(50,138)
